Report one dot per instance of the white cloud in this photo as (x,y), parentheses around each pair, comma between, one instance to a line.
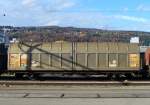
(126,9)
(57,5)
(143,7)
(67,5)
(130,18)
(29,3)
(48,5)
(52,23)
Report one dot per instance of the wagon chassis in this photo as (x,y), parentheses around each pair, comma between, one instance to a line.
(92,58)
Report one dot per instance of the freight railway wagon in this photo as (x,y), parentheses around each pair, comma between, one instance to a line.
(76,57)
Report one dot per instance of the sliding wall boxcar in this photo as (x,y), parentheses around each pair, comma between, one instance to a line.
(79,56)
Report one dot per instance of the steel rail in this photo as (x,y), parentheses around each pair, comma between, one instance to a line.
(125,83)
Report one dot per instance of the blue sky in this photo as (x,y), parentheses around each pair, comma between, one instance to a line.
(102,14)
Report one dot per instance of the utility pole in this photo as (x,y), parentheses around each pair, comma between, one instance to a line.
(5,37)
(72,52)
(4,30)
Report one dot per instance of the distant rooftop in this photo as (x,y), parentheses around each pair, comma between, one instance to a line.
(4,39)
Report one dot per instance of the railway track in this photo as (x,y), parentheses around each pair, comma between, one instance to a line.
(64,82)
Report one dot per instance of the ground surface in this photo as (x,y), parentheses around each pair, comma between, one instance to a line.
(35,101)
(74,95)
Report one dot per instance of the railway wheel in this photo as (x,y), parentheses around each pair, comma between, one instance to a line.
(30,76)
(112,76)
(145,75)
(145,72)
(129,76)
(117,76)
(19,76)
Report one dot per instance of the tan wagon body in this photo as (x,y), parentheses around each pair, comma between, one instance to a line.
(78,56)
